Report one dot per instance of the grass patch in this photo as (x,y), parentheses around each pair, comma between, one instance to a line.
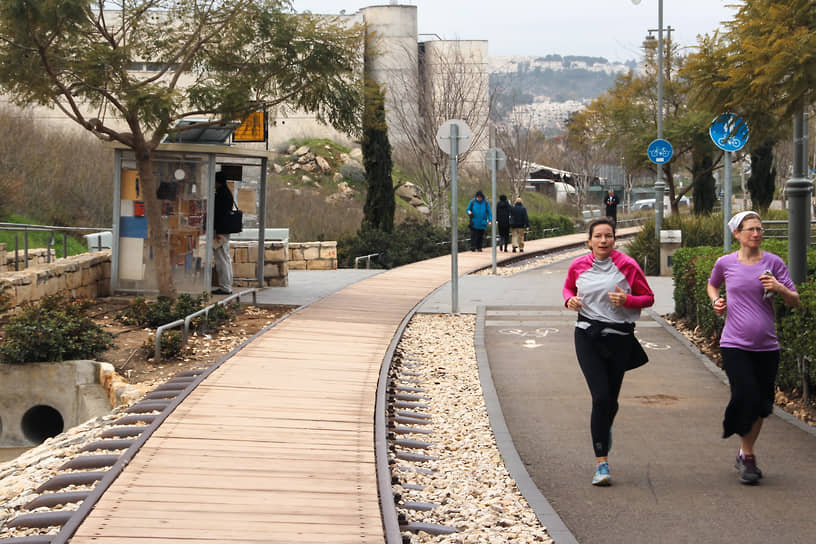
(39,239)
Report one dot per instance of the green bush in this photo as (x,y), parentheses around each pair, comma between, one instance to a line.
(412,240)
(164,310)
(53,330)
(541,221)
(797,373)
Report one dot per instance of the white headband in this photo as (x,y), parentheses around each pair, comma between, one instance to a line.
(735,221)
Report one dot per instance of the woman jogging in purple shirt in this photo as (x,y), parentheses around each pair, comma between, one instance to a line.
(748,344)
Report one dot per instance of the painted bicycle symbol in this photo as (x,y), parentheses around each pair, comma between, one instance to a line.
(654,346)
(538,333)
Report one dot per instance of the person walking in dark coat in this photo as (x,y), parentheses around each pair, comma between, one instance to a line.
(519,222)
(503,222)
(611,203)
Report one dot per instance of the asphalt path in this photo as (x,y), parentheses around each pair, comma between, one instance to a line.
(673,475)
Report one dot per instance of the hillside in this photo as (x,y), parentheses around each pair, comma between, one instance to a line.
(549,88)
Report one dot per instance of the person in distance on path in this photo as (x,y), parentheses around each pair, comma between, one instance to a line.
(608,289)
(748,344)
(503,221)
(478,209)
(519,222)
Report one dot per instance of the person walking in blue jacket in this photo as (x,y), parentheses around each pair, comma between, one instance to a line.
(478,209)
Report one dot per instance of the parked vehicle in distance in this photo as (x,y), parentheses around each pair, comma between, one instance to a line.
(649,204)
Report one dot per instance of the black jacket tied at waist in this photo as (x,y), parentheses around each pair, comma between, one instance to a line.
(622,349)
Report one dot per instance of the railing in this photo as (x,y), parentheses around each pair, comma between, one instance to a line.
(186,321)
(779,229)
(52,230)
(461,242)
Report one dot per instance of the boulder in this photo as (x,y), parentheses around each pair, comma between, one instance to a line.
(322,163)
(302,150)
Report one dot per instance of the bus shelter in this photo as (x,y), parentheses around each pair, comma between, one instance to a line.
(185,173)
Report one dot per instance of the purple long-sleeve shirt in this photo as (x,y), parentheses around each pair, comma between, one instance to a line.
(749,318)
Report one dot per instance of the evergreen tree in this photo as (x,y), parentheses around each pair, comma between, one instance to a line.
(762,181)
(702,167)
(378,212)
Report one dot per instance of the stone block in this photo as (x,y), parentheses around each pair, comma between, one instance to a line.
(244,270)
(321,264)
(296,252)
(311,250)
(275,255)
(328,250)
(272,271)
(297,265)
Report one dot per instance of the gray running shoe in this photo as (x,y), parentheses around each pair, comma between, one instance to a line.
(749,473)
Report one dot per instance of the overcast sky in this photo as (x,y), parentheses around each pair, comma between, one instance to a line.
(613,29)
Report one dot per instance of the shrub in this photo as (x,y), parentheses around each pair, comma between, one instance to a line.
(353,173)
(164,310)
(541,221)
(53,330)
(796,369)
(411,241)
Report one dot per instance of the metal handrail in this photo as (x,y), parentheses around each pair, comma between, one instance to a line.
(367,258)
(186,321)
(25,227)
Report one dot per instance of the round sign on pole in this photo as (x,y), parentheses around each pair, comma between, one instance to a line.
(660,151)
(443,137)
(497,155)
(729,132)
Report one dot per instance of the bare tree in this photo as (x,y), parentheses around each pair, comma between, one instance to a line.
(449,81)
(519,139)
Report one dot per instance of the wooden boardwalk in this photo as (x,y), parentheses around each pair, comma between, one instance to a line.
(277,445)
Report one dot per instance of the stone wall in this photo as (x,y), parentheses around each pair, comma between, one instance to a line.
(313,256)
(36,257)
(245,261)
(88,275)
(82,276)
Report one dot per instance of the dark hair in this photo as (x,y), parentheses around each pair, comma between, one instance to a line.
(502,197)
(601,221)
(480,193)
(220,177)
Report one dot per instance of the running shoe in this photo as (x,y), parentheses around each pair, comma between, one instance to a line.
(601,477)
(749,473)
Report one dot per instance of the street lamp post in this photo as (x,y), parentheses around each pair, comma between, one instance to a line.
(659,185)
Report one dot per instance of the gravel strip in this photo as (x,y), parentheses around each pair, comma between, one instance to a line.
(470,483)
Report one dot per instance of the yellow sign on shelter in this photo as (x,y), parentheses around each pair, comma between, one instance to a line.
(251,129)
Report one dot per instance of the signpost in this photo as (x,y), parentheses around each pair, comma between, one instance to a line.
(495,159)
(730,133)
(453,137)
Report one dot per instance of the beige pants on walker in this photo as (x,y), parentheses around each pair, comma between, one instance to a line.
(518,238)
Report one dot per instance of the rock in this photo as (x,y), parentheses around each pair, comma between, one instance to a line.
(344,188)
(306,158)
(291,149)
(322,163)
(337,177)
(306,179)
(277,168)
(407,191)
(302,150)
(356,154)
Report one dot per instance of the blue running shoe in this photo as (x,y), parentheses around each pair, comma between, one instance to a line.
(601,477)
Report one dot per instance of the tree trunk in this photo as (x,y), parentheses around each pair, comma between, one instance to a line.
(156,231)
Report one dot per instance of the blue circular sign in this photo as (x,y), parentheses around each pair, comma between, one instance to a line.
(660,151)
(729,132)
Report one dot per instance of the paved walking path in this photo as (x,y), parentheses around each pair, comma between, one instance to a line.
(673,479)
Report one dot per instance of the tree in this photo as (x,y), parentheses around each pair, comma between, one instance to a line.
(624,119)
(219,60)
(446,83)
(762,170)
(379,205)
(518,138)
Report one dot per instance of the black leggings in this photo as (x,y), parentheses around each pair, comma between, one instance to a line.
(604,376)
(752,376)
(476,237)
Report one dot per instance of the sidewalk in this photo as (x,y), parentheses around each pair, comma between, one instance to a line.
(673,479)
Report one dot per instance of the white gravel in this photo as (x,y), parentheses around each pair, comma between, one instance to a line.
(470,483)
